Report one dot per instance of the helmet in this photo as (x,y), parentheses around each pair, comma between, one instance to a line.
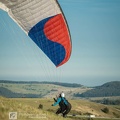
(62,94)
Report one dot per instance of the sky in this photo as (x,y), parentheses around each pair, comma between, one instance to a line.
(95,59)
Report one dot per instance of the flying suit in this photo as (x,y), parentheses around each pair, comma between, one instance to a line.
(65,106)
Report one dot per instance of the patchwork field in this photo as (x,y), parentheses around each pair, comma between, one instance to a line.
(43,90)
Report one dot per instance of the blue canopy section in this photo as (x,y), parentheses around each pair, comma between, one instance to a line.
(53,50)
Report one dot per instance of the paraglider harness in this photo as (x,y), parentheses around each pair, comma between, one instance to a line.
(64,101)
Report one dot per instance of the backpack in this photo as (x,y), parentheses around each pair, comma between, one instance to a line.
(64,101)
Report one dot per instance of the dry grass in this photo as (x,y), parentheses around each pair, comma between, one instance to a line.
(27,108)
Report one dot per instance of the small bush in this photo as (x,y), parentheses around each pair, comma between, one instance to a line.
(105,110)
(40,106)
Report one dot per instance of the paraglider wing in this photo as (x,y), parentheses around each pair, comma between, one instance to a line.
(44,23)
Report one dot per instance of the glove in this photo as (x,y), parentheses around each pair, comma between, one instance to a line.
(55,100)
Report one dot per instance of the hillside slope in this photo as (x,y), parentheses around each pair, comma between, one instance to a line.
(34,90)
(107,89)
(27,108)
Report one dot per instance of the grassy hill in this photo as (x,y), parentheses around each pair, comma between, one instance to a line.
(8,93)
(14,89)
(37,90)
(27,108)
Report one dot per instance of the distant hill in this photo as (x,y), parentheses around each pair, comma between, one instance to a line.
(34,89)
(107,89)
(9,94)
(43,82)
(30,89)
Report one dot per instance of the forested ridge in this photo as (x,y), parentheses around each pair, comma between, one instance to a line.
(107,89)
